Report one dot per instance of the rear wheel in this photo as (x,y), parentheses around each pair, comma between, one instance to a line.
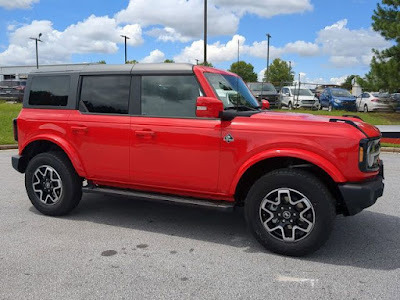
(52,184)
(290,212)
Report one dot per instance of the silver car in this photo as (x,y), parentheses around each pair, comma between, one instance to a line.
(371,101)
(293,97)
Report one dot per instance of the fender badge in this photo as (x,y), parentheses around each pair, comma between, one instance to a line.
(228,138)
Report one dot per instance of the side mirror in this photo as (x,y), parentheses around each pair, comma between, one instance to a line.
(265,104)
(208,107)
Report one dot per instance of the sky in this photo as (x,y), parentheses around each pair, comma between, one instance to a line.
(325,41)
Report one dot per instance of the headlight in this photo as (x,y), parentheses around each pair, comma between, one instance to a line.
(337,101)
(369,154)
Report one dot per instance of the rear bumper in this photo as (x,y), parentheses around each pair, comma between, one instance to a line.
(19,163)
(358,196)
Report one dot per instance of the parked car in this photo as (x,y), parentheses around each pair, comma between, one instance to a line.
(265,90)
(337,99)
(373,101)
(12,89)
(320,88)
(170,132)
(396,97)
(291,96)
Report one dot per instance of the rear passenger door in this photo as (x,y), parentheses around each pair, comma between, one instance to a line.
(172,149)
(99,130)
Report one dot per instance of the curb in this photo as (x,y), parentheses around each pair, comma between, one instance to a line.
(390,150)
(8,147)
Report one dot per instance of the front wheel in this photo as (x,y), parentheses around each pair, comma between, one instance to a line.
(290,212)
(52,184)
(330,107)
(290,106)
(365,108)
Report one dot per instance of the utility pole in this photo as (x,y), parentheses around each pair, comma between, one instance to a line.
(205,32)
(37,52)
(126,53)
(268,36)
(197,61)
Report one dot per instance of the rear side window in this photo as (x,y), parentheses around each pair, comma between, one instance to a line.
(105,94)
(49,90)
(170,96)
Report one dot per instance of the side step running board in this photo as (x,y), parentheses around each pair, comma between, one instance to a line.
(222,205)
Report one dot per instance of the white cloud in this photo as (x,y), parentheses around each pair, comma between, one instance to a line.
(266,8)
(155,56)
(17,4)
(348,47)
(338,80)
(93,35)
(182,20)
(219,52)
(185,18)
(168,34)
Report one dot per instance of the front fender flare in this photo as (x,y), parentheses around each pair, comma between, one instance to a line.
(65,146)
(309,156)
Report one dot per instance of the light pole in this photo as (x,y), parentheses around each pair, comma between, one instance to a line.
(37,52)
(126,53)
(268,36)
(205,32)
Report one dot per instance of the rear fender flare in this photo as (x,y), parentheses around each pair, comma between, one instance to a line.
(65,146)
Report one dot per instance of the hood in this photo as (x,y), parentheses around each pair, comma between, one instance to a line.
(345,98)
(368,129)
(304,97)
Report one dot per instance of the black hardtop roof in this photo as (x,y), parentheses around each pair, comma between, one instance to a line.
(141,68)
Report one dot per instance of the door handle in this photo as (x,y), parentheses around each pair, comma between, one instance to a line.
(145,133)
(79,129)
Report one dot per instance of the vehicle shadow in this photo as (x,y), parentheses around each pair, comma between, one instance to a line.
(368,240)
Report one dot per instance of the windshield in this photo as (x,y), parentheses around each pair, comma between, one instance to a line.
(231,90)
(341,93)
(262,86)
(302,92)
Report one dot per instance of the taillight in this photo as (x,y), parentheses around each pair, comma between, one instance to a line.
(374,100)
(15,128)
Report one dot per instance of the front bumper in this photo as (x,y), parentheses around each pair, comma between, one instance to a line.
(358,196)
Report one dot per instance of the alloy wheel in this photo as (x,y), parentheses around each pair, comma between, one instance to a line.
(287,215)
(47,185)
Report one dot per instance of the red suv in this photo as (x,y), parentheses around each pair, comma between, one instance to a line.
(194,135)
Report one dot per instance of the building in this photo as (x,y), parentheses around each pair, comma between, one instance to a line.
(21,72)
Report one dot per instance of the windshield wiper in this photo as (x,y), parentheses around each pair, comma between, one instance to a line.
(242,107)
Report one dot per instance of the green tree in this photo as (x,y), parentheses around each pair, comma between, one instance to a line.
(347,84)
(279,72)
(385,65)
(132,62)
(102,62)
(244,70)
(168,61)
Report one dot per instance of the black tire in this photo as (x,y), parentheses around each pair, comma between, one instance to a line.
(365,108)
(323,212)
(330,107)
(56,168)
(290,105)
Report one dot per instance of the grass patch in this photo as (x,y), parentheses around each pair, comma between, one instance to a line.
(374,118)
(390,145)
(8,112)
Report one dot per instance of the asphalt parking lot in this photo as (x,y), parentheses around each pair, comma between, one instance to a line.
(121,248)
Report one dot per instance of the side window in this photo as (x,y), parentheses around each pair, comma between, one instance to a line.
(107,94)
(170,96)
(49,90)
(285,91)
